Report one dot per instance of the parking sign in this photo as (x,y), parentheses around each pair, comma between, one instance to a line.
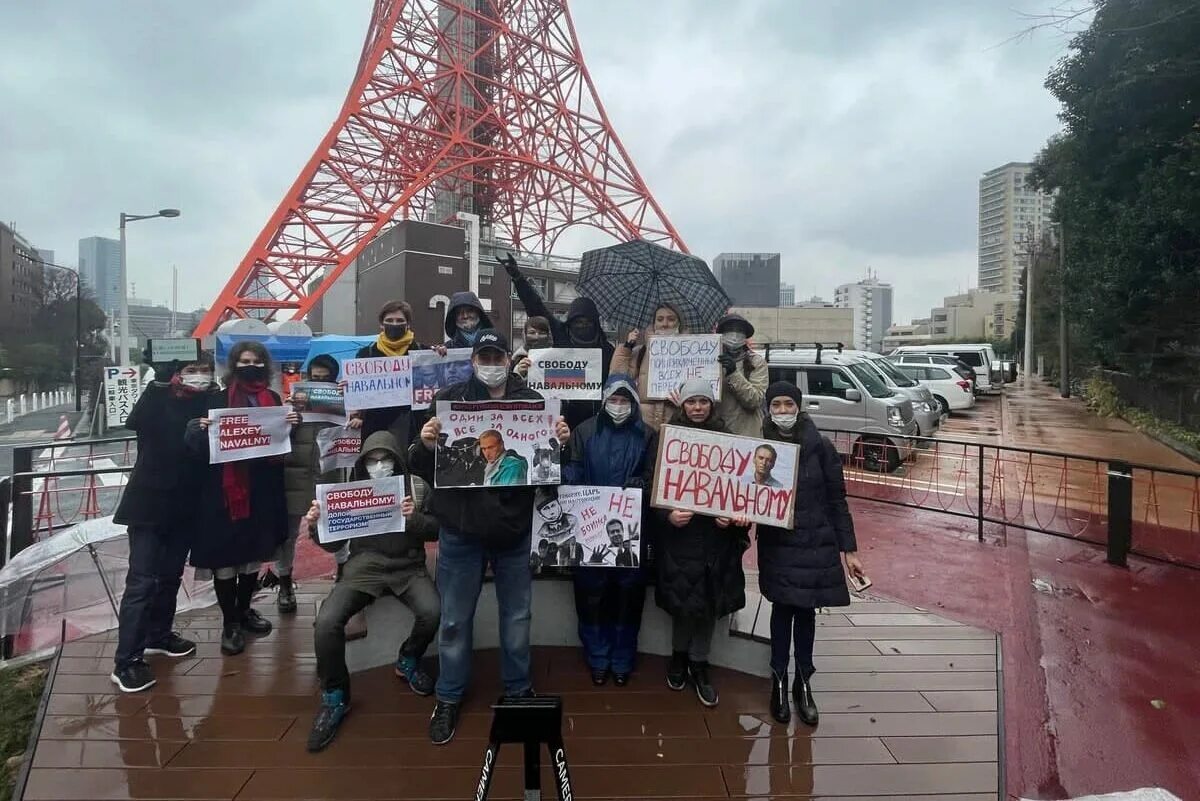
(122,387)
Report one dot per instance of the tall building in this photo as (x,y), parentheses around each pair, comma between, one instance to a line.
(871,300)
(100,269)
(787,295)
(1010,210)
(750,279)
(21,277)
(47,256)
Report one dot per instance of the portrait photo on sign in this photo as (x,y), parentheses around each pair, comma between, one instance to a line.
(497,444)
(581,525)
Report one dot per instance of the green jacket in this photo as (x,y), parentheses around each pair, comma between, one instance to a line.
(512,471)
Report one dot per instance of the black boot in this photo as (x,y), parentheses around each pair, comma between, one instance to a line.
(286,602)
(705,691)
(251,621)
(232,641)
(677,670)
(779,700)
(802,695)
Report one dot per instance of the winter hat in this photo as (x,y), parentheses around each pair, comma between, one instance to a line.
(782,389)
(735,321)
(696,388)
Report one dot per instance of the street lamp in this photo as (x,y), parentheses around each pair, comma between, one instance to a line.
(78,327)
(127,218)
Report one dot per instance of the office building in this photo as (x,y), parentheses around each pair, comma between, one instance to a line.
(46,256)
(787,295)
(750,279)
(801,324)
(1011,214)
(149,321)
(21,280)
(100,269)
(871,300)
(914,333)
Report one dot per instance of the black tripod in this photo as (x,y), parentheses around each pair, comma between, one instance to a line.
(532,721)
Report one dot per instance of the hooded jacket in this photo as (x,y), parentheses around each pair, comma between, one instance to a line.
(301,467)
(498,516)
(454,337)
(634,362)
(603,454)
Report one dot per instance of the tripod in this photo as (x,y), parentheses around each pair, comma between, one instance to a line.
(532,721)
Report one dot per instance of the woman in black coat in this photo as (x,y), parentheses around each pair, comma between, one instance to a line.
(242,514)
(156,508)
(698,559)
(801,570)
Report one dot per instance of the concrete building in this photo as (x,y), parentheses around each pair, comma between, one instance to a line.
(47,256)
(100,269)
(148,321)
(871,300)
(799,323)
(22,280)
(914,333)
(787,295)
(973,315)
(816,302)
(750,279)
(1010,210)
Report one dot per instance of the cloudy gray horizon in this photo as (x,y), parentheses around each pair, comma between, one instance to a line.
(847,137)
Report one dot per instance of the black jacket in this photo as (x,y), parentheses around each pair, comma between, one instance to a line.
(698,567)
(161,489)
(803,567)
(402,422)
(499,517)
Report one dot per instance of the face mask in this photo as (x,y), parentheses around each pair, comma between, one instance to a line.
(672,331)
(618,412)
(491,375)
(784,422)
(468,325)
(534,343)
(733,340)
(395,330)
(196,380)
(583,331)
(251,373)
(380,469)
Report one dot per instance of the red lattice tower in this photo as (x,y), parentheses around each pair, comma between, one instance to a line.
(458,105)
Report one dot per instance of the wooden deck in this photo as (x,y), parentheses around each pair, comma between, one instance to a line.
(908,709)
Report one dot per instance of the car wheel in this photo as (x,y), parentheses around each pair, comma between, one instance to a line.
(876,455)
(943,406)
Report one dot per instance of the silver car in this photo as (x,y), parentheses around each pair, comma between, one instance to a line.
(926,410)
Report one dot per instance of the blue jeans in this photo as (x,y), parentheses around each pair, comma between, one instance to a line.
(608,603)
(461,561)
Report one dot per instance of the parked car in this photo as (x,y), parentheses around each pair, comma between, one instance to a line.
(957,365)
(951,391)
(979,358)
(926,411)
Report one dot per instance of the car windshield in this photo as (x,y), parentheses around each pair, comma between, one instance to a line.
(889,369)
(871,380)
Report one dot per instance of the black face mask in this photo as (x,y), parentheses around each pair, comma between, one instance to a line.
(583,331)
(251,373)
(395,331)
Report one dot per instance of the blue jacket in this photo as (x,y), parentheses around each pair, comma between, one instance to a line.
(602,454)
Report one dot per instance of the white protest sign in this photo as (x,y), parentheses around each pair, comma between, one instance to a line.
(567,373)
(580,525)
(338,447)
(174,350)
(723,475)
(378,383)
(431,373)
(238,434)
(122,387)
(497,444)
(360,508)
(677,359)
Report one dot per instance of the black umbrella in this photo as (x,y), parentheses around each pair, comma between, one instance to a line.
(630,280)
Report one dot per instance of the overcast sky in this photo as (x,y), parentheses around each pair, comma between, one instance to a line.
(846,136)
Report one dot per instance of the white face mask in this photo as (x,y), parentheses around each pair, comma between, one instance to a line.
(670,332)
(784,422)
(195,380)
(733,339)
(492,375)
(618,412)
(380,469)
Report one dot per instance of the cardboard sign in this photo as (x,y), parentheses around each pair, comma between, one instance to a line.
(431,373)
(594,526)
(122,388)
(378,383)
(339,446)
(360,508)
(676,359)
(497,444)
(238,434)
(723,475)
(174,350)
(319,402)
(567,373)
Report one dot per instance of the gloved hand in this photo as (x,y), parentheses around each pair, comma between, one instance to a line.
(635,482)
(510,266)
(728,362)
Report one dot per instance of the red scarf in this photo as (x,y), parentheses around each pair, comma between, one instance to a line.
(235,477)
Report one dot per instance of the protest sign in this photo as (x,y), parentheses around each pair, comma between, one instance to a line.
(338,446)
(497,444)
(174,350)
(725,476)
(360,508)
(319,402)
(122,388)
(580,525)
(567,373)
(237,434)
(431,372)
(378,383)
(674,360)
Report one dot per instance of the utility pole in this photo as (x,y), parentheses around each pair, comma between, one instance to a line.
(1064,359)
(1030,259)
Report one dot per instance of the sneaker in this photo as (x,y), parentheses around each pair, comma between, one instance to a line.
(255,623)
(334,708)
(677,671)
(173,646)
(409,669)
(705,691)
(599,678)
(442,722)
(286,601)
(233,642)
(620,679)
(134,677)
(526,693)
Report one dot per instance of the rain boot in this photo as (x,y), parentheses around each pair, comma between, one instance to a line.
(780,710)
(806,707)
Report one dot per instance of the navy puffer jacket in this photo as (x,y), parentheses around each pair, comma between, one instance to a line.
(603,454)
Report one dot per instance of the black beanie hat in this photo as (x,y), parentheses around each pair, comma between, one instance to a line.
(782,389)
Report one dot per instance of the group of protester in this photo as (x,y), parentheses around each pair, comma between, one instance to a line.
(233,517)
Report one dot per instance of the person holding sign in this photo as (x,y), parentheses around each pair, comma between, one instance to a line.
(612,449)
(632,359)
(801,569)
(156,506)
(699,564)
(478,527)
(744,380)
(242,515)
(392,563)
(536,334)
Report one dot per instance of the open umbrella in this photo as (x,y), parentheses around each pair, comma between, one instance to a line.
(630,280)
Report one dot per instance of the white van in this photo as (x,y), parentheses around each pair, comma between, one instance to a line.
(980,357)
